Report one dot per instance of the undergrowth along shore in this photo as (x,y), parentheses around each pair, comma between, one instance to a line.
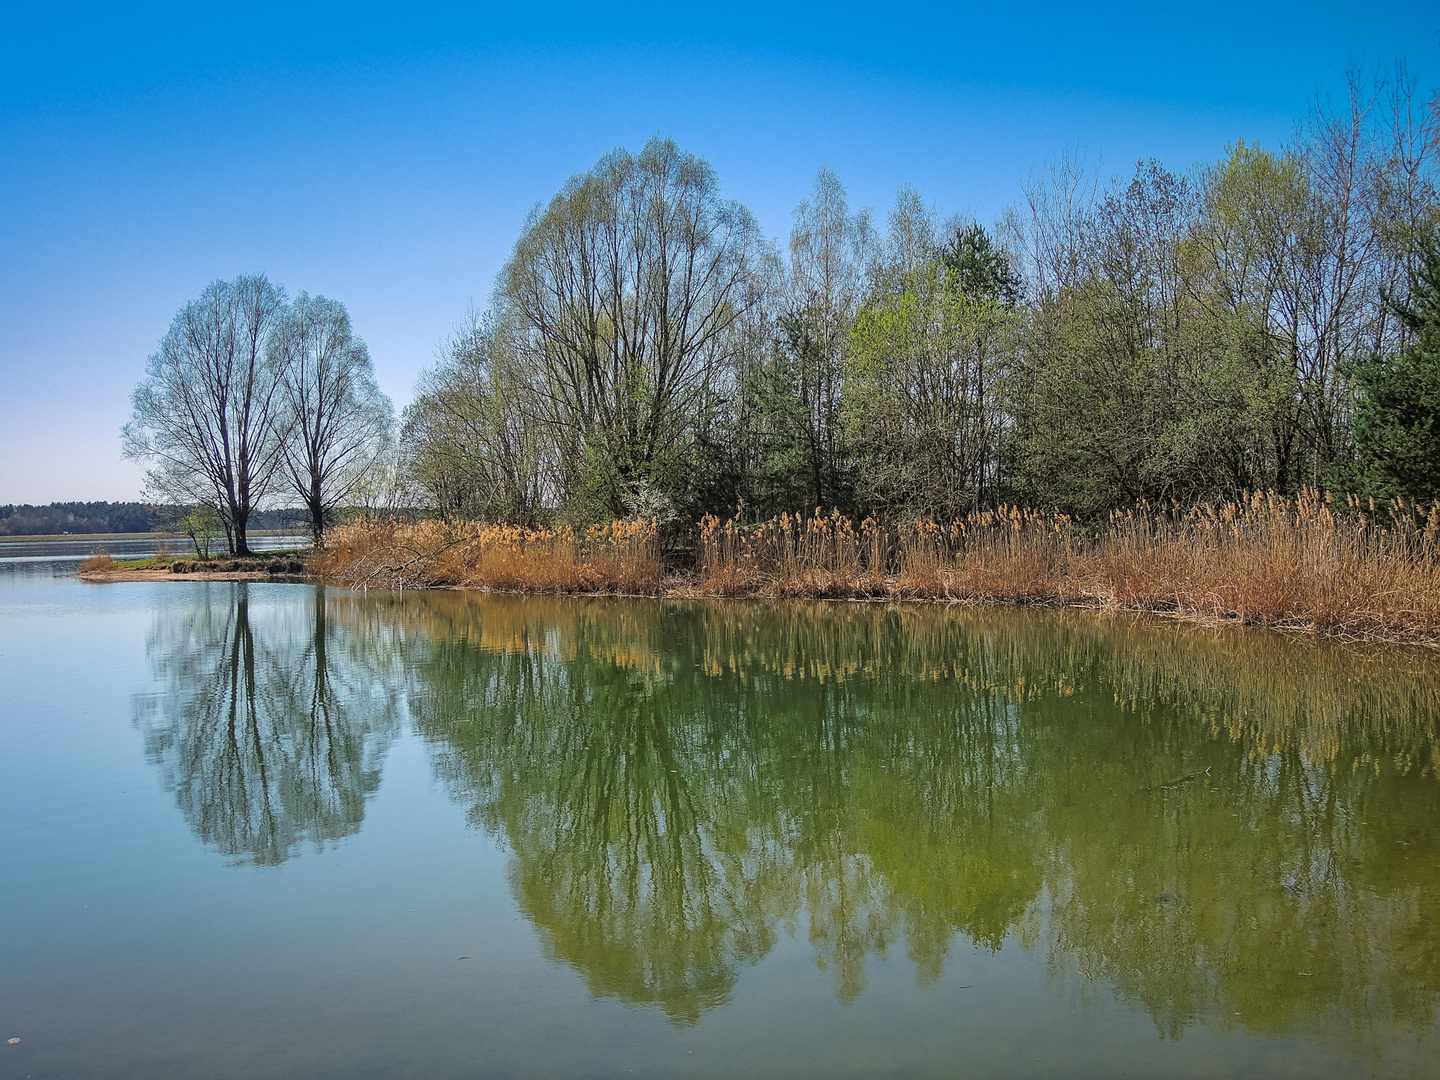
(286,562)
(1297,564)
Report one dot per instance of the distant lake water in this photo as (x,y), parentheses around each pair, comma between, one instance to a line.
(273,830)
(36,561)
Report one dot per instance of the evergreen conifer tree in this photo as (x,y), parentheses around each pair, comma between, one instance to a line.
(1397,436)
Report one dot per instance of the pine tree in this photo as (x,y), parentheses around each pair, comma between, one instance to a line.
(1397,438)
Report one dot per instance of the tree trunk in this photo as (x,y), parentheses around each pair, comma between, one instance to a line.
(241,546)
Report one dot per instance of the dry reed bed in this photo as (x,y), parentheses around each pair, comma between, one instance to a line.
(622,557)
(1267,560)
(1290,563)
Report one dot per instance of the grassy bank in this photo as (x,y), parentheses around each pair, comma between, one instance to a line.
(288,562)
(1299,564)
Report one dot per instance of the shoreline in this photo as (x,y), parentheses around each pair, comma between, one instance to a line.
(681,589)
(287,565)
(102,577)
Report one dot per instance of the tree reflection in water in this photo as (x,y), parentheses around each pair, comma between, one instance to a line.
(680,783)
(271,722)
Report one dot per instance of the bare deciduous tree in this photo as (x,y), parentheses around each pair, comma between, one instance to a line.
(627,289)
(338,422)
(831,252)
(209,415)
(471,447)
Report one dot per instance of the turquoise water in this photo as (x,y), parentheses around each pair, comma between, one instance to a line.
(269,830)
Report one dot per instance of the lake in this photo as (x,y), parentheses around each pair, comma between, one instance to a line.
(272,830)
(40,562)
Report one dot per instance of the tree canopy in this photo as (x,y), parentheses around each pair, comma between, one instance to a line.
(249,395)
(1262,322)
(1397,439)
(1258,323)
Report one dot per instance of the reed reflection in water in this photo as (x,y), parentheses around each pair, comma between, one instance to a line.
(1234,829)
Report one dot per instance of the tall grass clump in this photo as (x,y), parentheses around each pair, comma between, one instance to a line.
(1289,562)
(622,557)
(792,556)
(1006,555)
(100,561)
(1000,555)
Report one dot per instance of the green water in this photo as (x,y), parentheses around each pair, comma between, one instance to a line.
(704,839)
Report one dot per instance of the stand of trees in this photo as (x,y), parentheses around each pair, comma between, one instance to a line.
(250,398)
(121,517)
(1267,321)
(1263,322)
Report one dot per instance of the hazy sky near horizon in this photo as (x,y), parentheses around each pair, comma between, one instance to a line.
(387,156)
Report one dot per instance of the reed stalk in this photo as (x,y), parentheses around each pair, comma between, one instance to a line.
(100,560)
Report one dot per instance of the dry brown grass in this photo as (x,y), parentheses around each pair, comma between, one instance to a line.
(1267,560)
(99,562)
(622,557)
(1007,555)
(791,556)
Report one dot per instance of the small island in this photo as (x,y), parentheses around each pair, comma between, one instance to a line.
(262,566)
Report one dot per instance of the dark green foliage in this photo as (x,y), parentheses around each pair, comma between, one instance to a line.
(979,269)
(924,382)
(774,444)
(1397,440)
(798,462)
(74,517)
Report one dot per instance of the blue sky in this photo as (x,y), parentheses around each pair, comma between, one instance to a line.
(387,155)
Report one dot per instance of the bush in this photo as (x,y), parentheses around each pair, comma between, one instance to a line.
(100,560)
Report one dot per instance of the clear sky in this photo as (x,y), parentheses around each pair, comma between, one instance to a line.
(387,155)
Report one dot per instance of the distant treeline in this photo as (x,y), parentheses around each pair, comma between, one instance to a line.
(113,517)
(74,517)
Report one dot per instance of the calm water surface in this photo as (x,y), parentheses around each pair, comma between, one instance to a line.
(267,830)
(41,561)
